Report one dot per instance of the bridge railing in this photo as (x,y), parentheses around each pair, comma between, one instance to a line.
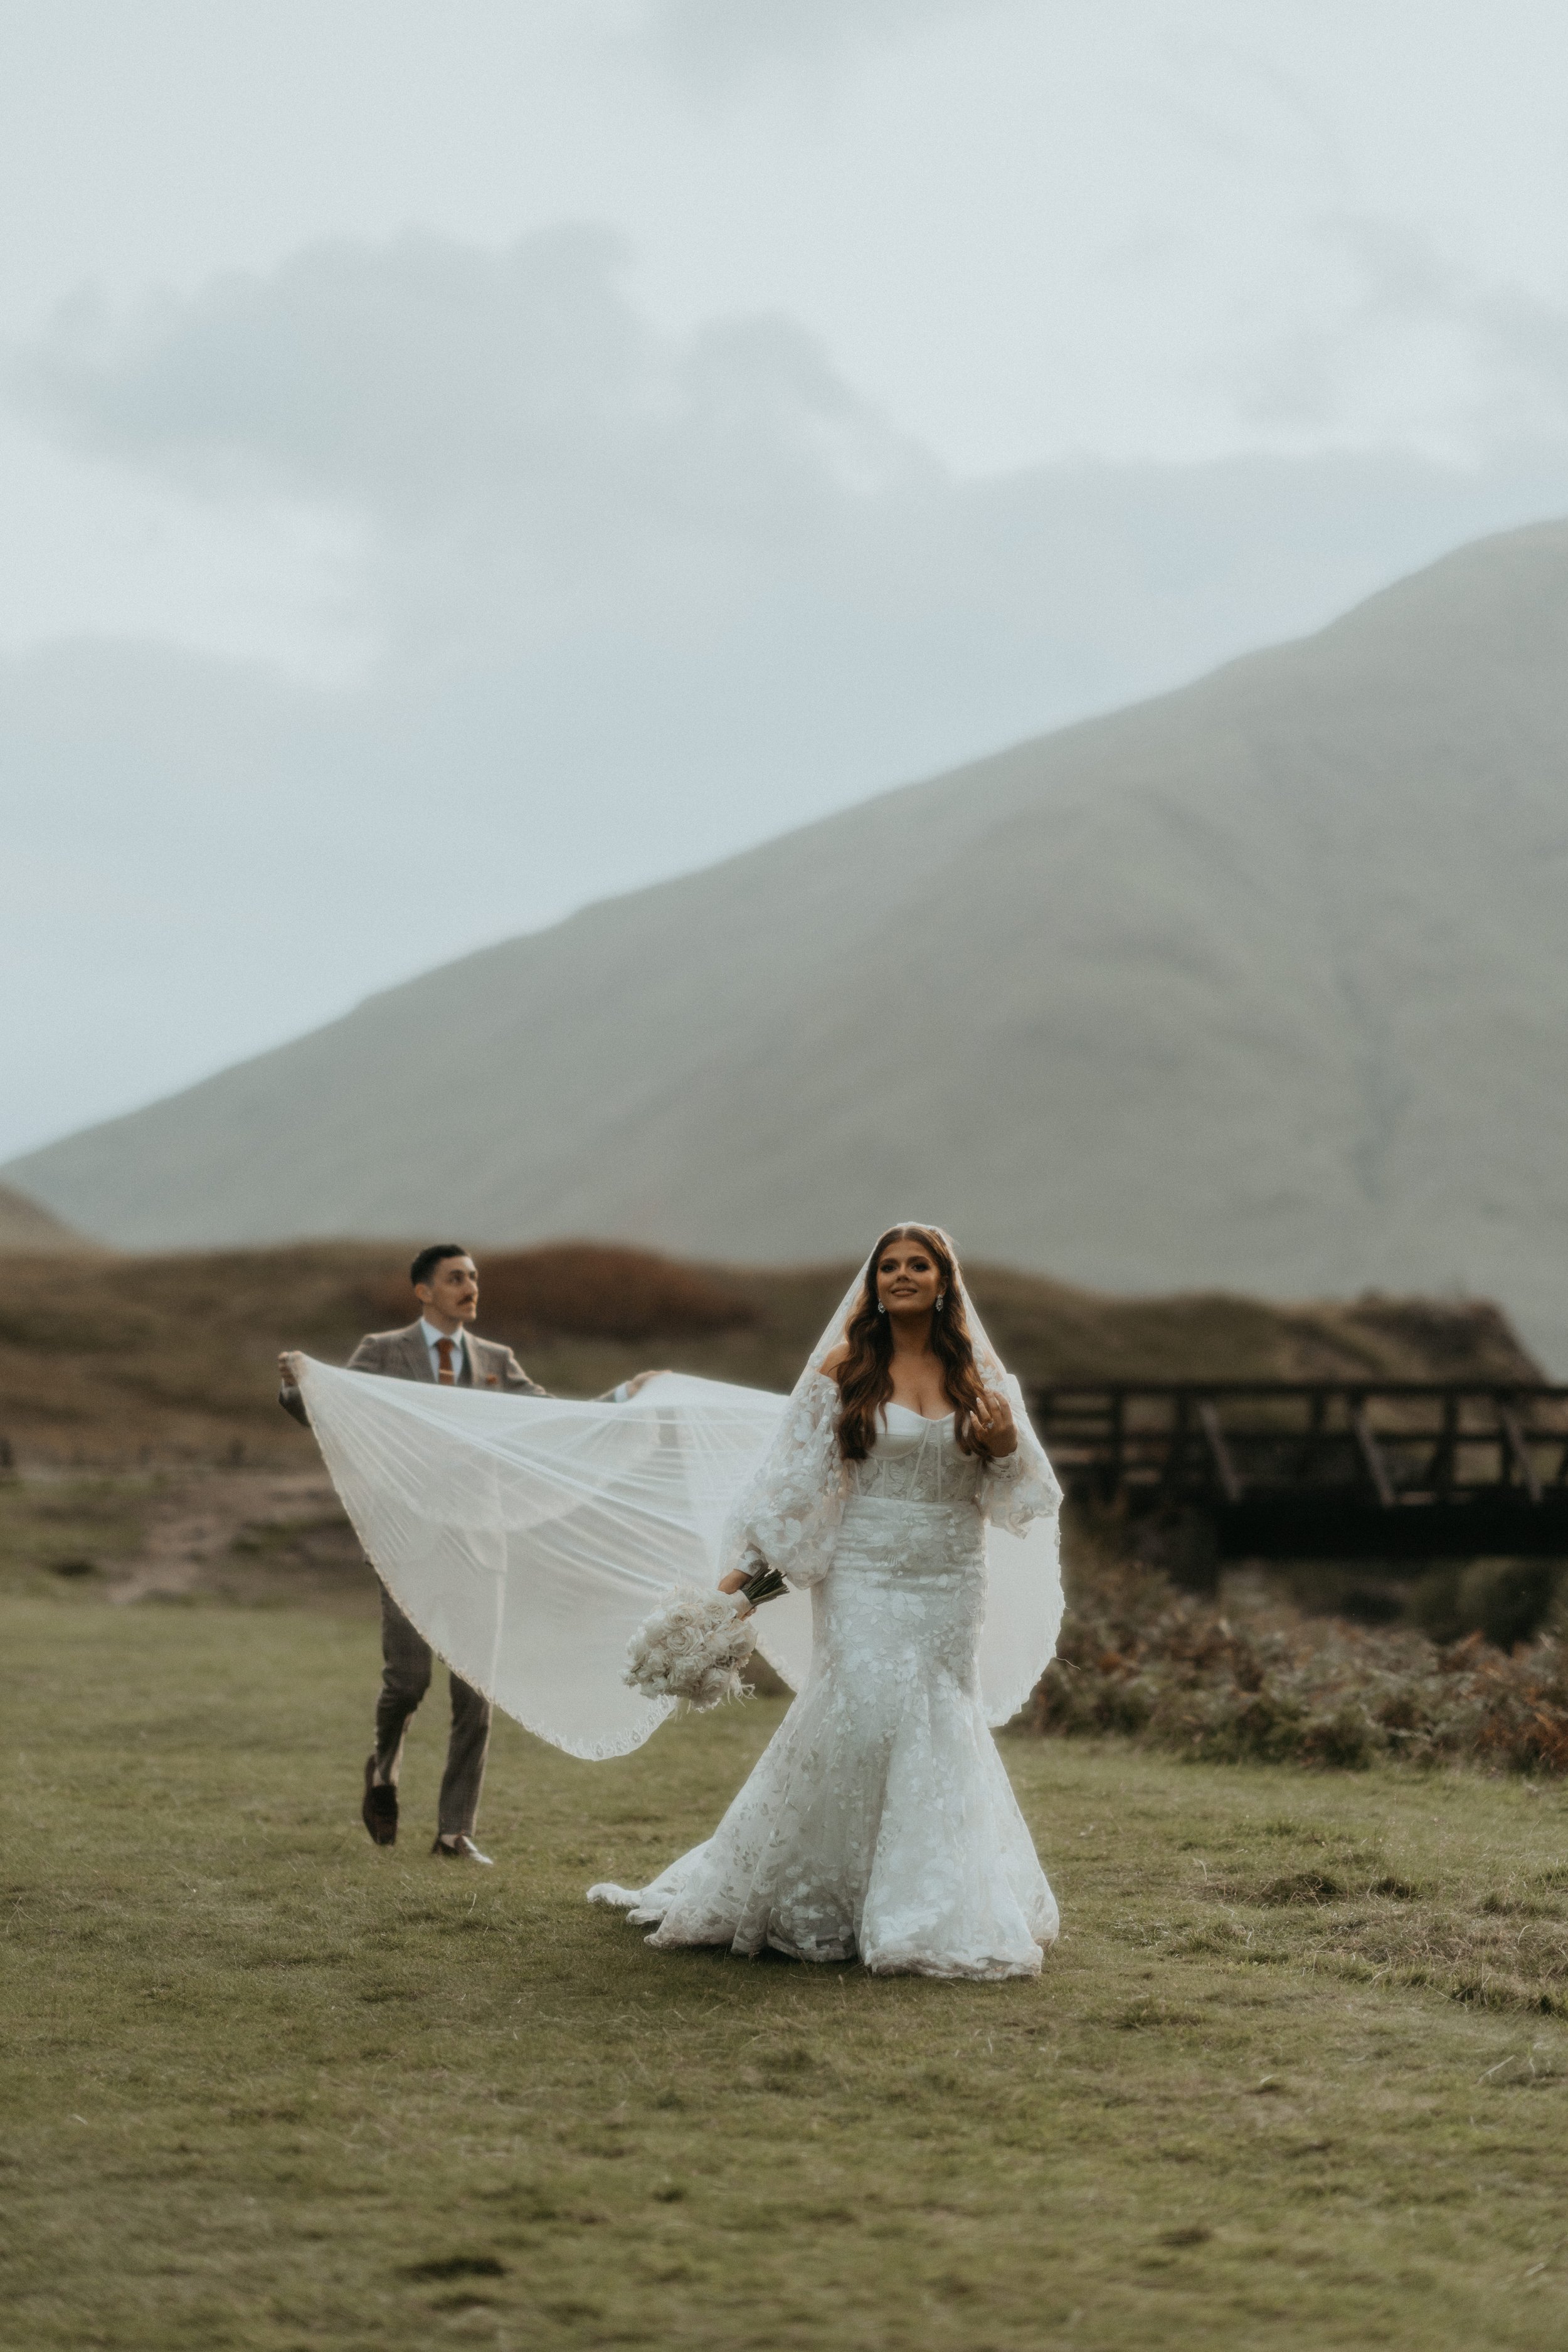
(1386,1445)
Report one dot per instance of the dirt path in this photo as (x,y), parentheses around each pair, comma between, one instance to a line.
(247,1534)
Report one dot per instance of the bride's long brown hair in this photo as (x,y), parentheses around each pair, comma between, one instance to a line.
(866,1375)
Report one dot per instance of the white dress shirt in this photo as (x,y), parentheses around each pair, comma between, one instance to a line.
(433,1337)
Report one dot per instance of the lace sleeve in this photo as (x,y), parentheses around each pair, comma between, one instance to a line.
(790,1513)
(1022,1486)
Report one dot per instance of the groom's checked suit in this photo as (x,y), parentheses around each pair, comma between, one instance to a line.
(411,1355)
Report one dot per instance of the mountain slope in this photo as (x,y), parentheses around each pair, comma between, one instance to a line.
(27,1230)
(1263,982)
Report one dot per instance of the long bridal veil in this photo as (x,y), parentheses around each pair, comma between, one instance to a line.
(527,1538)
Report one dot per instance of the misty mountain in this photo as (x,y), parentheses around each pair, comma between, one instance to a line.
(1263,982)
(27,1230)
(599,599)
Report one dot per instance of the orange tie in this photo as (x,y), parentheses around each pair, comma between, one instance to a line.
(446,1376)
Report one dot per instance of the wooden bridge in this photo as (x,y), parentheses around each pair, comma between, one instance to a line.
(1397,1470)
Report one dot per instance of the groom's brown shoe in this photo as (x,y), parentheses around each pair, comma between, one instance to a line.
(379,1811)
(460,1849)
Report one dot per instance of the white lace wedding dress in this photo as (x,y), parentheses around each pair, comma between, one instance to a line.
(878,1822)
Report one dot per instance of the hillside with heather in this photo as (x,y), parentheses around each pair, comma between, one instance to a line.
(110,1362)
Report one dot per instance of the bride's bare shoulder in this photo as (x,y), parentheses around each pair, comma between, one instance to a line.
(828,1369)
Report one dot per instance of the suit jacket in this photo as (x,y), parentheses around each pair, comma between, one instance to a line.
(404,1356)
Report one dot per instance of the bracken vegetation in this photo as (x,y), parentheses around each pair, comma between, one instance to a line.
(1139,1658)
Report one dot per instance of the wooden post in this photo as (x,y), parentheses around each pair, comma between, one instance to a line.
(1447,1447)
(1181,1439)
(1518,1451)
(1312,1449)
(1219,1451)
(1377,1470)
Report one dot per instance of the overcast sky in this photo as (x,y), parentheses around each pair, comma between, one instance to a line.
(461,459)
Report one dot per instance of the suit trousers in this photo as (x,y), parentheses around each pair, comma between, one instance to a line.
(406,1662)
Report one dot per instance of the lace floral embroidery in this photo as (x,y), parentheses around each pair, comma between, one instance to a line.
(791,1513)
(1022,1486)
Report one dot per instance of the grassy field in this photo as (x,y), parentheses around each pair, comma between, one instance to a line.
(1297,2076)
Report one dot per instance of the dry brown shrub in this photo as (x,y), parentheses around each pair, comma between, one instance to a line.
(1137,1658)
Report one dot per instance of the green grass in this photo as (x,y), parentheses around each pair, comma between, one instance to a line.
(1297,2076)
(73,1528)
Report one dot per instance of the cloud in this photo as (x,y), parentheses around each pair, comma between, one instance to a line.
(510,426)
(1418,349)
(398,375)
(721,40)
(533,473)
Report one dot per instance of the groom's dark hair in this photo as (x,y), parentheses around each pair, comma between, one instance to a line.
(430,1257)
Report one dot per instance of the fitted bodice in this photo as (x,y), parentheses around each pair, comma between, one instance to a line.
(916,1461)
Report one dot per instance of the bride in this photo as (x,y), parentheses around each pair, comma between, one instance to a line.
(878,1822)
(902,1494)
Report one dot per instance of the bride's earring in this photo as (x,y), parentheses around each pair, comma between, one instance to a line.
(940,1300)
(881,1309)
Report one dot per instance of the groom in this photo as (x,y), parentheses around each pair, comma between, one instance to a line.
(439,1348)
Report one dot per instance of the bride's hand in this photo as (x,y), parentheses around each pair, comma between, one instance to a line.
(991,1426)
(734,1582)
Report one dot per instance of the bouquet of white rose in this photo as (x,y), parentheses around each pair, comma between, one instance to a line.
(695,1642)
